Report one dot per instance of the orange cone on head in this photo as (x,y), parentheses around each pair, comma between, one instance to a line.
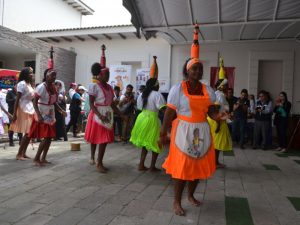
(154,69)
(195,48)
(50,60)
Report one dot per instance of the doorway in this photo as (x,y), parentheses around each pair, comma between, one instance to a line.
(270,77)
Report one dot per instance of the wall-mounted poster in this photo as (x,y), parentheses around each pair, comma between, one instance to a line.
(8,78)
(142,75)
(120,76)
(164,85)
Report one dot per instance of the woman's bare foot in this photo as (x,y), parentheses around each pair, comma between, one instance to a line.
(26,156)
(194,201)
(154,169)
(38,163)
(101,169)
(178,210)
(92,162)
(18,157)
(142,168)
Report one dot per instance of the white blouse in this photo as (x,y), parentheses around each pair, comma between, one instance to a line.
(179,100)
(27,92)
(96,91)
(155,101)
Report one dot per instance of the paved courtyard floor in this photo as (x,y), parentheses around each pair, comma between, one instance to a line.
(257,187)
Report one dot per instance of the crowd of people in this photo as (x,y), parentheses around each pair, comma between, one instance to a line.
(200,121)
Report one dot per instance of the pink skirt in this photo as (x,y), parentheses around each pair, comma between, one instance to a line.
(23,122)
(97,134)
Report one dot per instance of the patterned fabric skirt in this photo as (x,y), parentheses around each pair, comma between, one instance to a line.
(145,132)
(23,122)
(97,134)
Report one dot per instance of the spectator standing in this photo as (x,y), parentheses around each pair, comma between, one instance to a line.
(10,100)
(263,115)
(117,118)
(282,110)
(127,104)
(240,112)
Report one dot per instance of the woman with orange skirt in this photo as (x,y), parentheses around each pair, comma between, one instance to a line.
(192,154)
(23,110)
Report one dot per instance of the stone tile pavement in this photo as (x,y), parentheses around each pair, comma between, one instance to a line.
(70,191)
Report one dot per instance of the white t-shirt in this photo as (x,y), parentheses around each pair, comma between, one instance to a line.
(155,101)
(27,92)
(71,93)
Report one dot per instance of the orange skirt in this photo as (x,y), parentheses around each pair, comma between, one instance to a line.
(23,122)
(183,167)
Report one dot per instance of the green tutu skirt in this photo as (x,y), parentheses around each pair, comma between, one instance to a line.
(145,132)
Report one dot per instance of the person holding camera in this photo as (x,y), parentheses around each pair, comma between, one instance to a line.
(282,110)
(127,103)
(263,116)
(240,112)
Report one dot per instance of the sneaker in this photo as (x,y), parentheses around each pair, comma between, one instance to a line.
(278,149)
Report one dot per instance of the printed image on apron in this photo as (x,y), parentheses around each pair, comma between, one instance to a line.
(47,113)
(193,139)
(108,113)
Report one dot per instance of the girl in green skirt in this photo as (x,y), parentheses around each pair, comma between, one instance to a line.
(145,133)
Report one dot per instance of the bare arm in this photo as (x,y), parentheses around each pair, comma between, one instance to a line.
(60,110)
(115,108)
(36,108)
(168,118)
(19,94)
(5,111)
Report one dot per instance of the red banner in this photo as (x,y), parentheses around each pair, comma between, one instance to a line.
(229,71)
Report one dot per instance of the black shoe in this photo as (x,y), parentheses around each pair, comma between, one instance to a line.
(11,144)
(264,148)
(254,147)
(242,147)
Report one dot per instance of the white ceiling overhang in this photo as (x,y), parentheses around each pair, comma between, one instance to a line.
(85,33)
(219,20)
(80,7)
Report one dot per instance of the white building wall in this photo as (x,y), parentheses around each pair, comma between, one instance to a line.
(118,51)
(29,15)
(240,56)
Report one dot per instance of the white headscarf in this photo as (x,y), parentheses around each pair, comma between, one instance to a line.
(62,89)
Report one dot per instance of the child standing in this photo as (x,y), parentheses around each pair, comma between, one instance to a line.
(219,130)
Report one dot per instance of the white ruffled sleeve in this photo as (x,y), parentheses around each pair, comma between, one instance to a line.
(160,101)
(21,87)
(174,97)
(211,93)
(40,90)
(92,89)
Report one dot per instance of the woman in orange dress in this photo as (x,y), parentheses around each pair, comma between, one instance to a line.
(191,155)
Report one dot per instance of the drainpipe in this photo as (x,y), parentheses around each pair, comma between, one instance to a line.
(2,19)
